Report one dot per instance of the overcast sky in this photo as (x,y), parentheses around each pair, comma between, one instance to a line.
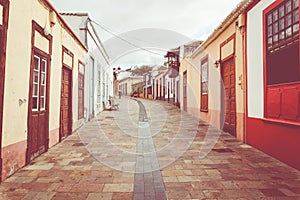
(194,19)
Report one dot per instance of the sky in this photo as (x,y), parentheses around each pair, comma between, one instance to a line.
(137,21)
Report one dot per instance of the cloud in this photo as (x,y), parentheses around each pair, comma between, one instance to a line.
(184,17)
(195,19)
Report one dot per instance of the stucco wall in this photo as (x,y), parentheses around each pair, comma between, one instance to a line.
(215,80)
(193,83)
(129,82)
(18,59)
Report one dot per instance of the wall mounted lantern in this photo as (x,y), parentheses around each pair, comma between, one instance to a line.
(217,63)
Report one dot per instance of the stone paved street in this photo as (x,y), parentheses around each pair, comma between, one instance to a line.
(152,150)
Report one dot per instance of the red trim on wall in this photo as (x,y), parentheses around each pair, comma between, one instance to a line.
(278,140)
(232,37)
(253,4)
(265,58)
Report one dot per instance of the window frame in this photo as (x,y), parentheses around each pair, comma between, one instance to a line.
(204,95)
(39,84)
(266,12)
(37,96)
(81,76)
(281,118)
(99,84)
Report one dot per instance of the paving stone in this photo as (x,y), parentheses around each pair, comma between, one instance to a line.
(65,188)
(188,178)
(87,187)
(272,193)
(99,196)
(118,188)
(122,196)
(178,194)
(73,196)
(170,179)
(39,167)
(173,173)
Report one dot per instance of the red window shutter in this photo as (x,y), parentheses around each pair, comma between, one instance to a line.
(274,102)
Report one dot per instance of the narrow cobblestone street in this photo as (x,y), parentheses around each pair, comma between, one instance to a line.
(152,150)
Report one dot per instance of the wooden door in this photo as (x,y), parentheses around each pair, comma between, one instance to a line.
(228,75)
(38,120)
(185,91)
(66,103)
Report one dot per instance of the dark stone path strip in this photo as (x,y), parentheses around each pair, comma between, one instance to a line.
(148,181)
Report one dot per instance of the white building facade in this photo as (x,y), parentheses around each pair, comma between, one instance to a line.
(98,74)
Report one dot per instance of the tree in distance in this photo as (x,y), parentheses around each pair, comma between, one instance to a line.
(141,70)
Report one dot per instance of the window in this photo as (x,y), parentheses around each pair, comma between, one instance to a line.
(103,85)
(282,33)
(204,85)
(281,53)
(99,86)
(39,84)
(81,91)
(43,85)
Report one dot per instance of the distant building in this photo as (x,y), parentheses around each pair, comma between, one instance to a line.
(138,89)
(148,86)
(125,84)
(173,77)
(158,79)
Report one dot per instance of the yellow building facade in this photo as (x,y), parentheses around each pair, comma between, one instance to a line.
(212,86)
(43,61)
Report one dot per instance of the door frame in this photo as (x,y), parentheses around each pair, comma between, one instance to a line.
(4,27)
(184,88)
(65,50)
(223,105)
(222,95)
(80,63)
(47,57)
(91,85)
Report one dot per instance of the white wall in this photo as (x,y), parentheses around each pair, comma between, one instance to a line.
(100,63)
(255,73)
(77,21)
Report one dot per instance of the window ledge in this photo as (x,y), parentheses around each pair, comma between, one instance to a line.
(280,121)
(203,110)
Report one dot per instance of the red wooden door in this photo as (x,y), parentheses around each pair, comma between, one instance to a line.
(228,75)
(66,103)
(185,91)
(38,112)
